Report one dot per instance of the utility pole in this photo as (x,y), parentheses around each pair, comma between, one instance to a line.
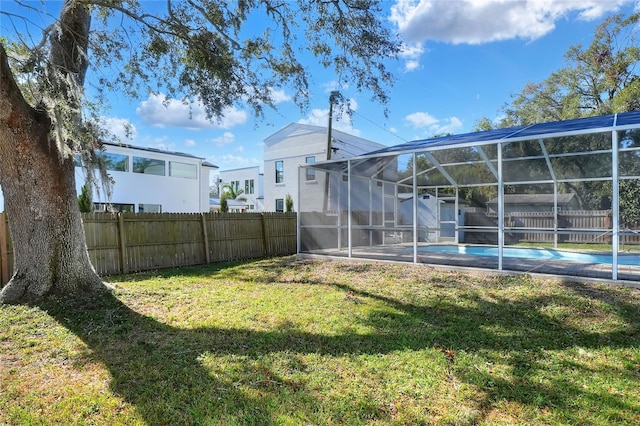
(332,99)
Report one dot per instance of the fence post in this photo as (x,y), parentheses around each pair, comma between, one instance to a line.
(4,258)
(265,242)
(205,235)
(123,244)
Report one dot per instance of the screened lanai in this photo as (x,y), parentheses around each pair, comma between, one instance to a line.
(559,198)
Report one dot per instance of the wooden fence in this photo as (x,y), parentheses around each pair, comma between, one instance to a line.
(593,226)
(128,242)
(580,226)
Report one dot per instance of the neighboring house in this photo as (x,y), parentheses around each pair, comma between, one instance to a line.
(251,181)
(531,203)
(148,180)
(298,144)
(233,206)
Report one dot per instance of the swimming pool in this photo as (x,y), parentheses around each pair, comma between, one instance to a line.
(531,253)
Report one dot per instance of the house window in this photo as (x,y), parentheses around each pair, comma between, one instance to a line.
(148,166)
(311,173)
(280,205)
(279,171)
(248,186)
(115,162)
(149,208)
(183,170)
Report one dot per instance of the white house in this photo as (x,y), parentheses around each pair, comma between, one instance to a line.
(298,144)
(251,181)
(151,180)
(148,180)
(233,206)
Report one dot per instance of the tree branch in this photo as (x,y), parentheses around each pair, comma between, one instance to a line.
(12,103)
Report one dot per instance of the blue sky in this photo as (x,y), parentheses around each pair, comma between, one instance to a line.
(463,60)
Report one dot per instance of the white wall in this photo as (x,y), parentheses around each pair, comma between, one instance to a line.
(174,194)
(242,175)
(297,143)
(205,179)
(289,186)
(292,145)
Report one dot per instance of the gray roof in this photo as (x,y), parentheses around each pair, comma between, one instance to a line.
(159,151)
(208,164)
(539,199)
(296,129)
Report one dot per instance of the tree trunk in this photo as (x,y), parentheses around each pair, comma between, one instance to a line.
(50,252)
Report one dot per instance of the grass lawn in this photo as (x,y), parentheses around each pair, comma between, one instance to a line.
(293,342)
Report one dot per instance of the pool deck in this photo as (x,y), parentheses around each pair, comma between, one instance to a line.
(627,274)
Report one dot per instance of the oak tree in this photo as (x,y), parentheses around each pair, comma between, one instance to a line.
(217,53)
(601,78)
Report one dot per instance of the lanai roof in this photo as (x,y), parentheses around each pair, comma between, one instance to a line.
(610,122)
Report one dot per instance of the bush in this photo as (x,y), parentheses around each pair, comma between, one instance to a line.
(224,206)
(288,203)
(85,201)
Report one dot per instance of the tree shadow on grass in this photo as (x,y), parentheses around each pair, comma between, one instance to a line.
(153,366)
(223,268)
(161,369)
(525,336)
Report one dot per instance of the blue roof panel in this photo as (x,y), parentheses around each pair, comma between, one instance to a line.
(628,118)
(567,126)
(451,140)
(531,131)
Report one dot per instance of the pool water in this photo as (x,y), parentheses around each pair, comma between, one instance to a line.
(531,253)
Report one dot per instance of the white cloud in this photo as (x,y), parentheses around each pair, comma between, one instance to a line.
(164,146)
(155,111)
(279,96)
(320,117)
(448,125)
(334,85)
(421,119)
(317,117)
(483,21)
(230,161)
(433,126)
(161,142)
(226,139)
(412,65)
(149,141)
(411,55)
(121,128)
(189,142)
